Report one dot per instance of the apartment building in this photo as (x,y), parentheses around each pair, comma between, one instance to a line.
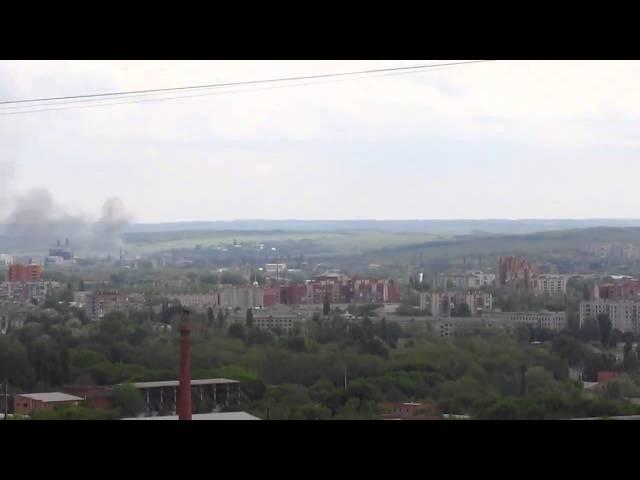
(514,272)
(627,288)
(624,314)
(472,279)
(13,315)
(103,302)
(196,301)
(550,284)
(25,291)
(225,297)
(282,321)
(445,304)
(24,273)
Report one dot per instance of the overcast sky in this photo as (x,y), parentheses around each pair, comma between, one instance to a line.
(556,139)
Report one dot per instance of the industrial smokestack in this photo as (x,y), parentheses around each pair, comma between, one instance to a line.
(184,390)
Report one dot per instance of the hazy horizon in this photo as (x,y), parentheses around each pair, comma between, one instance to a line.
(517,140)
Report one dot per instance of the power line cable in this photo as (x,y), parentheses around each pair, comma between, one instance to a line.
(36,108)
(249,82)
(144,100)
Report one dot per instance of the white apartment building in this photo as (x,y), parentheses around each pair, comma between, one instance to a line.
(196,301)
(550,284)
(472,279)
(226,297)
(624,314)
(5,259)
(443,303)
(22,292)
(284,322)
(275,267)
(551,320)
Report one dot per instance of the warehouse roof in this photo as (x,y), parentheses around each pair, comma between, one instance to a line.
(205,416)
(51,397)
(175,383)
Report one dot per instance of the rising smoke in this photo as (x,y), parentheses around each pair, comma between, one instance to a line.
(37,222)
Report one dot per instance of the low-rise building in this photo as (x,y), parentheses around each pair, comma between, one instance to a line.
(94,396)
(162,396)
(447,326)
(410,411)
(204,416)
(26,403)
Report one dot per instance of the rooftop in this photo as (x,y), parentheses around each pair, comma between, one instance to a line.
(175,383)
(51,397)
(205,416)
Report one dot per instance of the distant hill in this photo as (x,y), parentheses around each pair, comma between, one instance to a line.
(448,227)
(530,245)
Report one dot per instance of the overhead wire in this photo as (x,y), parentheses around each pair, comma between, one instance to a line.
(248,82)
(227,92)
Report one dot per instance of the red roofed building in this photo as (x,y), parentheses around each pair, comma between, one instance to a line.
(410,411)
(26,403)
(604,376)
(95,396)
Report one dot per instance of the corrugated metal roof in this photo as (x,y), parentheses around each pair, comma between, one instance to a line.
(175,383)
(51,397)
(205,416)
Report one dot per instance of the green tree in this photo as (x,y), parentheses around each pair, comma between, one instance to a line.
(590,330)
(462,310)
(614,389)
(75,413)
(570,349)
(326,305)
(522,333)
(14,363)
(605,328)
(129,400)
(297,344)
(220,318)
(249,318)
(629,356)
(505,409)
(237,330)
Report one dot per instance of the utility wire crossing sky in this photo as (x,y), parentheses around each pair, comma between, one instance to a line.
(370,139)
